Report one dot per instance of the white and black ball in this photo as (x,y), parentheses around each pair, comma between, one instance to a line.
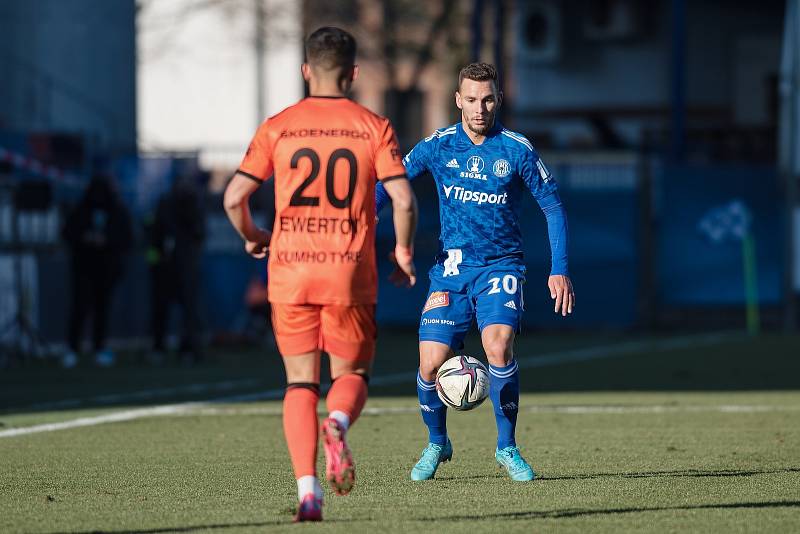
(462,382)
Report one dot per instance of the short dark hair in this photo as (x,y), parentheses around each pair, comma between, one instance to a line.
(479,72)
(330,48)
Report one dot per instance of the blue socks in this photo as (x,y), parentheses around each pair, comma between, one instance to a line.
(434,412)
(504,392)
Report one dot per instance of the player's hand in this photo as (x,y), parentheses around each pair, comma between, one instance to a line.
(561,291)
(258,247)
(404,274)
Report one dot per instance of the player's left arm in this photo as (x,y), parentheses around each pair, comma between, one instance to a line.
(545,191)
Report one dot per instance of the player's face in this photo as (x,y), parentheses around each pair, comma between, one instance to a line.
(478,102)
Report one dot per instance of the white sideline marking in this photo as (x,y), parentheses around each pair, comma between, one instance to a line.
(100,400)
(658,409)
(127,415)
(587,409)
(623,349)
(546,360)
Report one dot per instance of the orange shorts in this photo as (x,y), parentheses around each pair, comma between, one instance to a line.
(345,331)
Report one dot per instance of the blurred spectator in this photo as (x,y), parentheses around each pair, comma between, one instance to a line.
(258,325)
(177,234)
(98,233)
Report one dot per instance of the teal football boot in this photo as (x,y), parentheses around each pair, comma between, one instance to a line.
(518,469)
(432,456)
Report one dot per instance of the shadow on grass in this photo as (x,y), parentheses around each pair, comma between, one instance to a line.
(191,528)
(681,473)
(545,514)
(471,477)
(643,474)
(568,513)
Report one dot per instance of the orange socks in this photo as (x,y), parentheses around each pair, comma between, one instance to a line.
(301,427)
(346,399)
(347,396)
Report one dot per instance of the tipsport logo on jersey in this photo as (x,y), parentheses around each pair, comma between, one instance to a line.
(478,197)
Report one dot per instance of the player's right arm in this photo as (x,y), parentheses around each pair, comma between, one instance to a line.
(237,207)
(254,169)
(405,213)
(393,183)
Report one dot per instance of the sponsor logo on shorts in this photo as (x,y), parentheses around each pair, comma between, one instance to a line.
(437,299)
(434,320)
(511,304)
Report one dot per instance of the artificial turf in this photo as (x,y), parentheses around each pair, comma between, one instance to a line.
(690,449)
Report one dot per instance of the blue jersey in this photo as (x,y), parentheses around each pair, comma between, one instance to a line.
(480,191)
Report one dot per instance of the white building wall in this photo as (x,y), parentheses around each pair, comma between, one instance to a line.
(197,74)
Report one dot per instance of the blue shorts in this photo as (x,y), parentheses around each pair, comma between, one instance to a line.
(492,294)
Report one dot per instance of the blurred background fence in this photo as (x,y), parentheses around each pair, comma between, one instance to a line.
(653,117)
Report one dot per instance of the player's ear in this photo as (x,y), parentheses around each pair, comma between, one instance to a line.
(458,100)
(305,68)
(499,98)
(355,73)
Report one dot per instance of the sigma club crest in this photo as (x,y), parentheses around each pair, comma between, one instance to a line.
(474,168)
(475,164)
(501,168)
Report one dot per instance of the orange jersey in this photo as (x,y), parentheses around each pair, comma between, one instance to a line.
(325,154)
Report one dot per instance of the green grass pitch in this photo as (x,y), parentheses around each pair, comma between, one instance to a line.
(693,438)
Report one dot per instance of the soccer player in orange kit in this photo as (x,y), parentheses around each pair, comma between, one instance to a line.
(325,153)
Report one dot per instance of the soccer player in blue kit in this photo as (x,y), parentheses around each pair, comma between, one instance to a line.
(481,171)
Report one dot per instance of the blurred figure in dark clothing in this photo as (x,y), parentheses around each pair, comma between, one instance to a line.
(259,311)
(177,234)
(98,233)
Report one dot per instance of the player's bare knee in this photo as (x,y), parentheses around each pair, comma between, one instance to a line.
(499,354)
(302,367)
(340,365)
(354,369)
(499,350)
(428,370)
(428,366)
(431,356)
(302,377)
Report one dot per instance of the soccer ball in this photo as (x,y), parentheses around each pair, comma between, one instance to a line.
(462,382)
